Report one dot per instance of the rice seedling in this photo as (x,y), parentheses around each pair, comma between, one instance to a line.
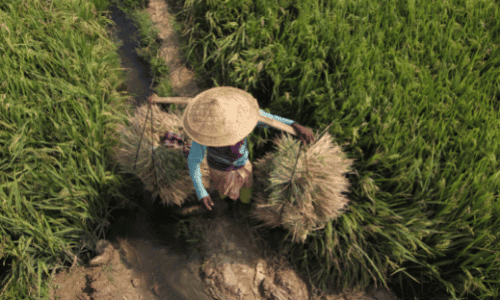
(163,169)
(301,191)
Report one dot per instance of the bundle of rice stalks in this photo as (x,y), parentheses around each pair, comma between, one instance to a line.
(172,181)
(312,198)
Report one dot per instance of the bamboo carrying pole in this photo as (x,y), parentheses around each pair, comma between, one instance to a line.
(185,100)
(276,124)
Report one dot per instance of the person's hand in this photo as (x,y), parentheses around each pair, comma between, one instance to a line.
(150,100)
(305,134)
(208,202)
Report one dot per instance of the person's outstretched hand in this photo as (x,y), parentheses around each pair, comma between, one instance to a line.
(305,134)
(208,202)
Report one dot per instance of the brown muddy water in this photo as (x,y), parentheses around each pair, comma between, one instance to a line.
(172,264)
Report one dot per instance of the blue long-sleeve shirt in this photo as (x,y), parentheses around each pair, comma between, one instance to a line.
(197,154)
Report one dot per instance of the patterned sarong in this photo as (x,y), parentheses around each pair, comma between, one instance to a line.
(229,183)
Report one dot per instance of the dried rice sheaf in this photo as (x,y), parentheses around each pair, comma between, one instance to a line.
(314,196)
(173,185)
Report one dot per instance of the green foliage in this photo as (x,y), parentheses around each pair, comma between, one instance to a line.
(188,230)
(130,6)
(164,89)
(413,87)
(147,34)
(59,107)
(148,41)
(159,67)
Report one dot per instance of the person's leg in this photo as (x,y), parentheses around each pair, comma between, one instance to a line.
(221,195)
(246,189)
(245,194)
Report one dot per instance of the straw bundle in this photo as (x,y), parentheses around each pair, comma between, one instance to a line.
(172,183)
(314,196)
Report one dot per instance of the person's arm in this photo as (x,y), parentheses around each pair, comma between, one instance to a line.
(278,118)
(305,134)
(196,156)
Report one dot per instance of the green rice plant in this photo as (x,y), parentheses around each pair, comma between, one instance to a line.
(130,6)
(413,88)
(165,89)
(59,109)
(147,34)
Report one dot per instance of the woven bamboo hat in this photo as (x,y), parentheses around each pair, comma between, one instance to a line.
(220,116)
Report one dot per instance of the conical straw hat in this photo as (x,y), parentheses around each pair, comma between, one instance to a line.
(220,116)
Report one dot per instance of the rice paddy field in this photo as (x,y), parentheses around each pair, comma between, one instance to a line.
(412,87)
(59,103)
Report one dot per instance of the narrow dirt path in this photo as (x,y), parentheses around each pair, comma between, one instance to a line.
(182,79)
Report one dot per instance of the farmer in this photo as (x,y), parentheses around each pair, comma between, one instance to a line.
(218,121)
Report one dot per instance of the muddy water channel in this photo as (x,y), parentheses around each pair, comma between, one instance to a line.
(161,259)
